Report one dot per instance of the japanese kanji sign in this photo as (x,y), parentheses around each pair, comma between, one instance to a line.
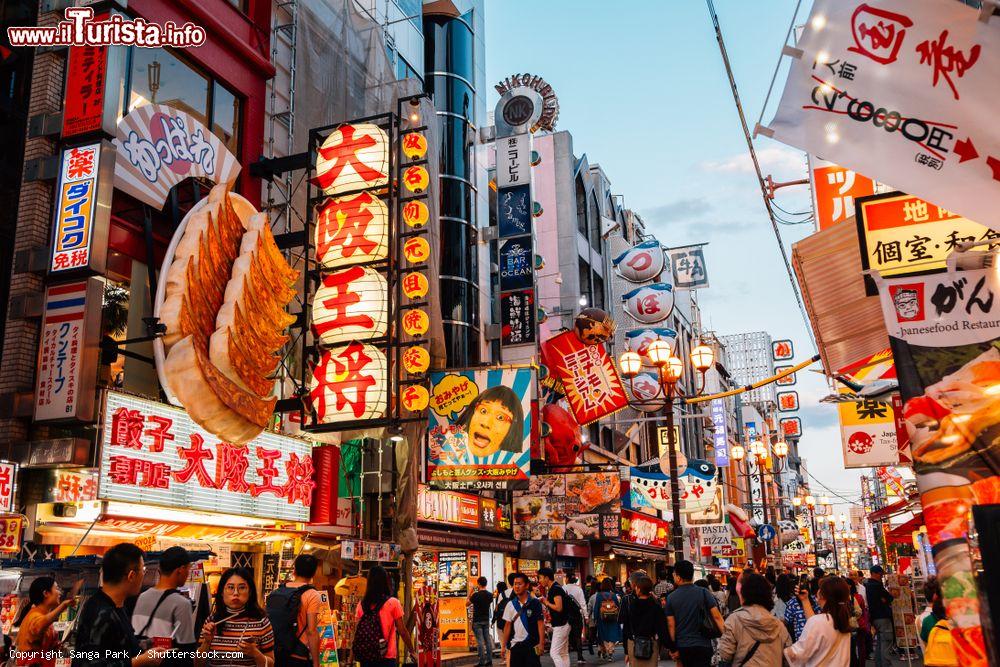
(788,401)
(83,208)
(646,530)
(788,380)
(790,427)
(86,75)
(895,89)
(782,350)
(868,427)
(159,146)
(642,262)
(513,160)
(902,235)
(11,529)
(480,428)
(590,380)
(154,454)
(349,383)
(517,317)
(720,436)
(835,189)
(8,478)
(66,382)
(688,267)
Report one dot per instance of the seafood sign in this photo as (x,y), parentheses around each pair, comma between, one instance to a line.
(578,506)
(480,428)
(945,331)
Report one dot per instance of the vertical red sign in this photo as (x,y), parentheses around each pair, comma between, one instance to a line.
(86,72)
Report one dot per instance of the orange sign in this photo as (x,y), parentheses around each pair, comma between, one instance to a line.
(10,534)
(416,360)
(414,145)
(415,213)
(416,179)
(415,398)
(416,250)
(836,189)
(415,285)
(415,322)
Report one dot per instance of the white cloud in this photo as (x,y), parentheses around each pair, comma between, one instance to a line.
(773,159)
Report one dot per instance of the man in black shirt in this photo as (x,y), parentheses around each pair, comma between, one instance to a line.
(481,601)
(104,635)
(880,612)
(557,601)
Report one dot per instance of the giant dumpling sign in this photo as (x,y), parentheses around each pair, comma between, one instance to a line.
(222,297)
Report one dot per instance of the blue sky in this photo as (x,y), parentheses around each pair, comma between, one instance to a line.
(642,89)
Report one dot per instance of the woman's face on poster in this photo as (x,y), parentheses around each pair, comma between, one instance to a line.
(488,427)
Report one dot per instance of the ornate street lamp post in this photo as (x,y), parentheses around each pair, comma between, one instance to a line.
(670,368)
(758,462)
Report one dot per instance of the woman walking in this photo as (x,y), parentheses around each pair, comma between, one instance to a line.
(644,626)
(826,638)
(935,631)
(732,596)
(607,605)
(753,637)
(379,601)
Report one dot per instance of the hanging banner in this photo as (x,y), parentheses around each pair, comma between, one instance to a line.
(720,437)
(86,76)
(868,427)
(835,189)
(895,90)
(480,428)
(943,331)
(589,377)
(688,266)
(159,146)
(575,506)
(83,209)
(517,317)
(892,479)
(68,354)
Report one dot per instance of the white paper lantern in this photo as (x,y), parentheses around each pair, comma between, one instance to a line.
(350,382)
(351,304)
(352,230)
(641,262)
(638,341)
(650,304)
(646,388)
(353,157)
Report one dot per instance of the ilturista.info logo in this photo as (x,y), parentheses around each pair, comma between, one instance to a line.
(80,29)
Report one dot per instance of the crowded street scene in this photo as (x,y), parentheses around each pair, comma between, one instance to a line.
(499,333)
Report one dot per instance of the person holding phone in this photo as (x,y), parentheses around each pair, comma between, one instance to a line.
(826,637)
(36,638)
(795,610)
(237,627)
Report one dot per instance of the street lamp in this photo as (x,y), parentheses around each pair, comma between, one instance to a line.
(757,463)
(670,369)
(810,503)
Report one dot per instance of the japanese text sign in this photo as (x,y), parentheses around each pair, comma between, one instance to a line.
(86,73)
(83,208)
(782,350)
(513,160)
(591,381)
(902,235)
(68,486)
(835,190)
(154,454)
(575,506)
(11,529)
(895,90)
(457,509)
(8,478)
(66,381)
(517,264)
(788,401)
(349,383)
(867,426)
(644,529)
(517,317)
(790,427)
(514,211)
(480,428)
(688,266)
(641,262)
(159,146)
(720,436)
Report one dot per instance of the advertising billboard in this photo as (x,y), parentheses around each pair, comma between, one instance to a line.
(575,506)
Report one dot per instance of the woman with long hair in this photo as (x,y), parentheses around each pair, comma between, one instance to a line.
(826,638)
(237,626)
(379,600)
(36,638)
(607,603)
(732,596)
(644,622)
(784,590)
(935,630)
(753,637)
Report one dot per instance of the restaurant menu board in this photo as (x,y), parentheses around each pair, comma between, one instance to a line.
(903,617)
(578,506)
(453,574)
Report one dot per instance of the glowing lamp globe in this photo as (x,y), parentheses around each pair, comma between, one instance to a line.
(810,501)
(415,285)
(352,230)
(737,452)
(416,250)
(781,449)
(353,157)
(702,357)
(673,369)
(414,398)
(414,145)
(797,501)
(415,322)
(351,304)
(349,383)
(416,360)
(629,362)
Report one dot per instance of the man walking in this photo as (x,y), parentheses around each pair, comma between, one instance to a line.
(164,612)
(557,601)
(525,621)
(292,610)
(685,608)
(880,612)
(481,600)
(576,614)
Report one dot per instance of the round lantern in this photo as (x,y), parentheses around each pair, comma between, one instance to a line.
(414,145)
(351,304)
(415,322)
(650,304)
(416,360)
(416,250)
(536,210)
(638,341)
(415,213)
(415,285)
(349,383)
(641,263)
(353,157)
(352,230)
(416,178)
(646,388)
(414,398)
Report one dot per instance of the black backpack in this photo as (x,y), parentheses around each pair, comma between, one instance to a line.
(369,642)
(498,613)
(282,607)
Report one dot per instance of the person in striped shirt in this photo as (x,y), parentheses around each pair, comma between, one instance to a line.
(238,633)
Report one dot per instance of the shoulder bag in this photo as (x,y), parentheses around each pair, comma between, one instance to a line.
(708,628)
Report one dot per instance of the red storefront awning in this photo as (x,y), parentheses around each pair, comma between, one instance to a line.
(904,533)
(894,509)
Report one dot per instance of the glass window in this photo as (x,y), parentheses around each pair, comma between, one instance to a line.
(158,77)
(585,279)
(598,283)
(594,217)
(581,207)
(226,117)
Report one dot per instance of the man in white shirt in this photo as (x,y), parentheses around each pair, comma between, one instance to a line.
(525,620)
(859,585)
(575,591)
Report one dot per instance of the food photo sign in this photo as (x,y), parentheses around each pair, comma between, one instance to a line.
(577,506)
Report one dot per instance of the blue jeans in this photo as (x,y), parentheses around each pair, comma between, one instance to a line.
(484,643)
(883,641)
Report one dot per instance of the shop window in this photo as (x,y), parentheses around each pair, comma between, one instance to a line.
(585,280)
(226,117)
(598,295)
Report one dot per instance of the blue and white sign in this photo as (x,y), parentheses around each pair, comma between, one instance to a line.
(720,438)
(516,264)
(766,532)
(514,211)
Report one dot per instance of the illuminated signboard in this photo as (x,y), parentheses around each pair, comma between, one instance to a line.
(154,454)
(8,478)
(83,208)
(644,529)
(835,190)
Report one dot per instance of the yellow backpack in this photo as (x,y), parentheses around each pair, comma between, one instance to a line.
(940,652)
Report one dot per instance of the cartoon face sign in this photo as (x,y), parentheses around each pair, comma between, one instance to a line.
(650,304)
(493,421)
(638,341)
(641,263)
(646,389)
(907,304)
(594,326)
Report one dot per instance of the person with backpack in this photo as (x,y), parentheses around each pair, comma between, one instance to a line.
(163,614)
(754,637)
(644,626)
(607,606)
(380,619)
(935,631)
(481,600)
(693,617)
(524,630)
(558,603)
(502,598)
(292,609)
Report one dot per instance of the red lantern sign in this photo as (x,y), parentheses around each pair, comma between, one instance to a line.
(351,304)
(415,322)
(414,145)
(352,230)
(353,157)
(349,383)
(416,250)
(415,213)
(415,285)
(416,179)
(416,360)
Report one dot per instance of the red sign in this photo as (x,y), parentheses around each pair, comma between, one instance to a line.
(458,509)
(590,380)
(645,529)
(791,427)
(8,475)
(782,350)
(836,189)
(73,487)
(86,71)
(10,534)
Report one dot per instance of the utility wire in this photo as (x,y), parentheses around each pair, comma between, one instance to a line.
(756,165)
(831,491)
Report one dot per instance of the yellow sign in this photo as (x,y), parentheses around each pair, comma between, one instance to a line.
(415,213)
(414,145)
(416,360)
(663,434)
(416,179)
(415,285)
(10,534)
(415,322)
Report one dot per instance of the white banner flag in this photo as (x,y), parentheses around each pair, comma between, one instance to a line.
(902,91)
(688,266)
